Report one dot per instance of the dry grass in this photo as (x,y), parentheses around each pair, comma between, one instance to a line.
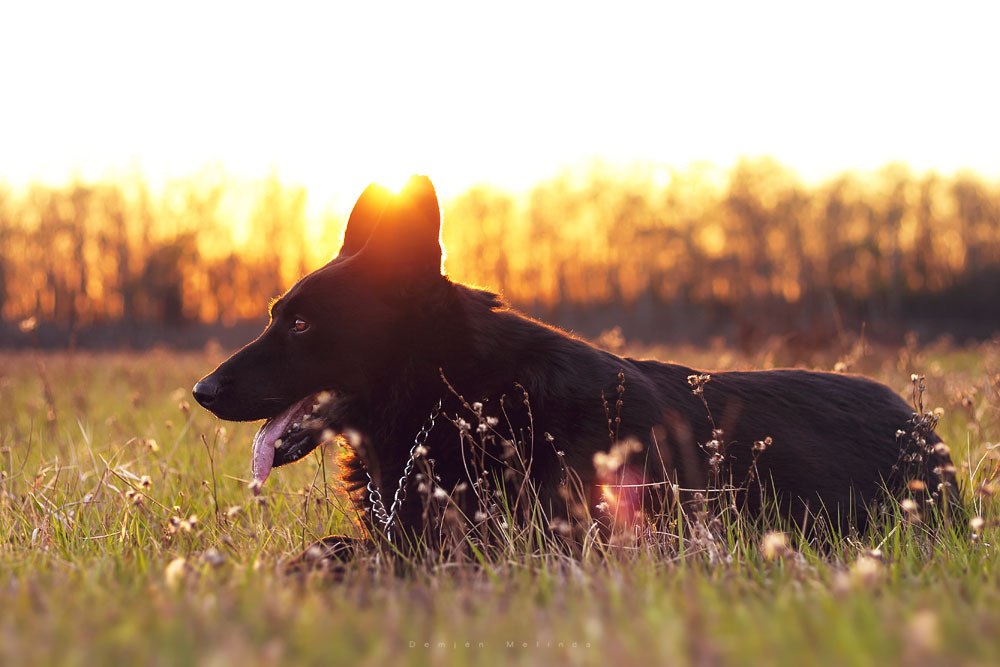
(129,534)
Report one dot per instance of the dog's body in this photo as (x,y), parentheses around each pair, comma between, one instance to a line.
(381,328)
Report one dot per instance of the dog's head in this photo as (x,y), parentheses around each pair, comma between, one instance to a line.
(333,332)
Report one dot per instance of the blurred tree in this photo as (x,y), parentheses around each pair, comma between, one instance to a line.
(751,251)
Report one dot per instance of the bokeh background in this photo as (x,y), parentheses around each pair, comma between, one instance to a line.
(773,174)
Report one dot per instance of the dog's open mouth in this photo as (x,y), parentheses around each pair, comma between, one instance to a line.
(289,436)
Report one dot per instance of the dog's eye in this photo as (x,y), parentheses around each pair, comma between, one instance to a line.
(300,325)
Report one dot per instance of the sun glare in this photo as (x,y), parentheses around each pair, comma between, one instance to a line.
(393,178)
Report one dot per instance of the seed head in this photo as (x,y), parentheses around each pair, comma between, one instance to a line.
(698,382)
(774,545)
(866,572)
(911,510)
(175,572)
(213,557)
(560,526)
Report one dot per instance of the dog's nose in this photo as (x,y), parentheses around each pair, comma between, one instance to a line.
(206,391)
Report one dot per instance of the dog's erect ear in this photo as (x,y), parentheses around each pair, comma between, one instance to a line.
(364,217)
(405,243)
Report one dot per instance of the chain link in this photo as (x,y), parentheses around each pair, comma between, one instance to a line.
(375,497)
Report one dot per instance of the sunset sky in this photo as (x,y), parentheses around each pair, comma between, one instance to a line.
(334,95)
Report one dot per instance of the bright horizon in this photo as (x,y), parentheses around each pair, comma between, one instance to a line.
(335,98)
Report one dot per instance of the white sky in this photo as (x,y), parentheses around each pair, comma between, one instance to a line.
(334,95)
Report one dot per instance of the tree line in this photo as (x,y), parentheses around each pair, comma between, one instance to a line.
(746,245)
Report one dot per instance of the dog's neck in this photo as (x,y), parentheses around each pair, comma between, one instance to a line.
(484,352)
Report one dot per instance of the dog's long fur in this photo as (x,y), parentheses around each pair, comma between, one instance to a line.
(384,326)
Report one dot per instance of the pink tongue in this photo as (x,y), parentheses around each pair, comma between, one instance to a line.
(263,443)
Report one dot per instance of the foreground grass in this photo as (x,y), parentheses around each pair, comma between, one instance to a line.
(129,535)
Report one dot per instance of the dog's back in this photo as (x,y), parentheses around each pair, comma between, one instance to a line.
(824,441)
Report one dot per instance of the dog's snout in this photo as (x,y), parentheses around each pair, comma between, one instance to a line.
(206,391)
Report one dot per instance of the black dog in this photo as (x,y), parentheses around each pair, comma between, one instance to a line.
(363,346)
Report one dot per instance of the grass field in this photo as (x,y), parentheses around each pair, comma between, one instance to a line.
(129,536)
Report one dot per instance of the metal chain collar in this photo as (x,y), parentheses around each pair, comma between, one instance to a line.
(375,497)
